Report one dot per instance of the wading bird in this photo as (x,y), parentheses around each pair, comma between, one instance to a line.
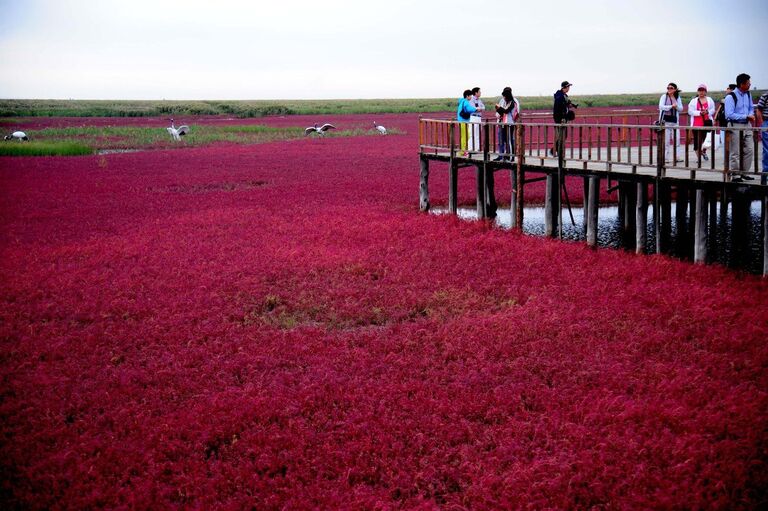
(17,135)
(379,128)
(320,131)
(177,133)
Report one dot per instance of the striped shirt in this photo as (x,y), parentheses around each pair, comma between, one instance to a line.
(762,105)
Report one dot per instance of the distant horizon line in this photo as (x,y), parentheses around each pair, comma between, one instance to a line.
(753,89)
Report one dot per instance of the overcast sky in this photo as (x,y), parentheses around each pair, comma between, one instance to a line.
(296,49)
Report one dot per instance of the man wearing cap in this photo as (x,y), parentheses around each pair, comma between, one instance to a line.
(562,113)
(740,112)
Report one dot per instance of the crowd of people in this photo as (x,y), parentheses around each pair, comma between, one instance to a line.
(736,110)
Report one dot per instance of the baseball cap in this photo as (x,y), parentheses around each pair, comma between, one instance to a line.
(565,84)
(702,86)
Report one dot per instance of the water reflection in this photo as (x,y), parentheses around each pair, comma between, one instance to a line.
(727,246)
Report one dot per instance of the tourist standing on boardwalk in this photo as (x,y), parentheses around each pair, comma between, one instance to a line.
(720,113)
(701,110)
(762,120)
(740,112)
(670,106)
(507,112)
(562,113)
(463,112)
(476,118)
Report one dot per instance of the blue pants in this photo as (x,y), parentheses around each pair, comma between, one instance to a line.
(764,136)
(506,140)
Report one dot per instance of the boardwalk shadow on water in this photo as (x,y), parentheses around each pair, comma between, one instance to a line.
(735,248)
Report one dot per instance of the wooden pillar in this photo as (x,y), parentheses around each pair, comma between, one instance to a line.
(453,186)
(681,212)
(662,215)
(513,199)
(490,192)
(591,210)
(641,217)
(551,206)
(765,235)
(480,197)
(424,184)
(585,201)
(700,228)
(520,178)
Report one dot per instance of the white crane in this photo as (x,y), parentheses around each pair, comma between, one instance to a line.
(177,133)
(17,135)
(320,131)
(381,129)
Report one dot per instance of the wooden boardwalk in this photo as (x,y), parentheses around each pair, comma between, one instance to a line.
(631,156)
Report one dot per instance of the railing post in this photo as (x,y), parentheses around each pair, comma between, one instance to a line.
(660,153)
(424,184)
(453,173)
(520,178)
(700,228)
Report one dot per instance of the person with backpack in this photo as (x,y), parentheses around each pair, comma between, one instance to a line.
(720,119)
(740,113)
(463,112)
(670,106)
(701,110)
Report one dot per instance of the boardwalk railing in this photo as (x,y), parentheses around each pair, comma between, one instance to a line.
(692,160)
(625,147)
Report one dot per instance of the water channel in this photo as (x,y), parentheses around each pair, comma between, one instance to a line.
(735,248)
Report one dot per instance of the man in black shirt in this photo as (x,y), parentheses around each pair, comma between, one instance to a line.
(562,113)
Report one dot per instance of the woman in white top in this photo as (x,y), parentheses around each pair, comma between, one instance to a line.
(701,110)
(507,112)
(670,106)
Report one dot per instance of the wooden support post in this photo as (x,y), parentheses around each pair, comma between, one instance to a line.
(641,217)
(681,212)
(480,197)
(665,214)
(520,177)
(424,184)
(490,192)
(453,186)
(585,201)
(513,199)
(591,210)
(700,228)
(657,214)
(765,235)
(551,206)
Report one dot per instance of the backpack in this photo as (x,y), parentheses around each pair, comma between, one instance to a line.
(720,116)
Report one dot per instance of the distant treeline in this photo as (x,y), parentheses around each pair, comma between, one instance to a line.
(261,108)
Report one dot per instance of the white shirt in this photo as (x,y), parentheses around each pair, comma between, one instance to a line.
(693,108)
(477,103)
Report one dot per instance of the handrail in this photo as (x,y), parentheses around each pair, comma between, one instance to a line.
(632,145)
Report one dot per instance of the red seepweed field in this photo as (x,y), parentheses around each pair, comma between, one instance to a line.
(276,326)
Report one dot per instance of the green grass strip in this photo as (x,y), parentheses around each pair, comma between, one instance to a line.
(40,148)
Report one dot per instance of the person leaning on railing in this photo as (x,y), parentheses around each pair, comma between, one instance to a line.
(507,112)
(701,110)
(740,112)
(761,113)
(463,112)
(670,106)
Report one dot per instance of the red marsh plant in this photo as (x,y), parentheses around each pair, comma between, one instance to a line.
(276,326)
